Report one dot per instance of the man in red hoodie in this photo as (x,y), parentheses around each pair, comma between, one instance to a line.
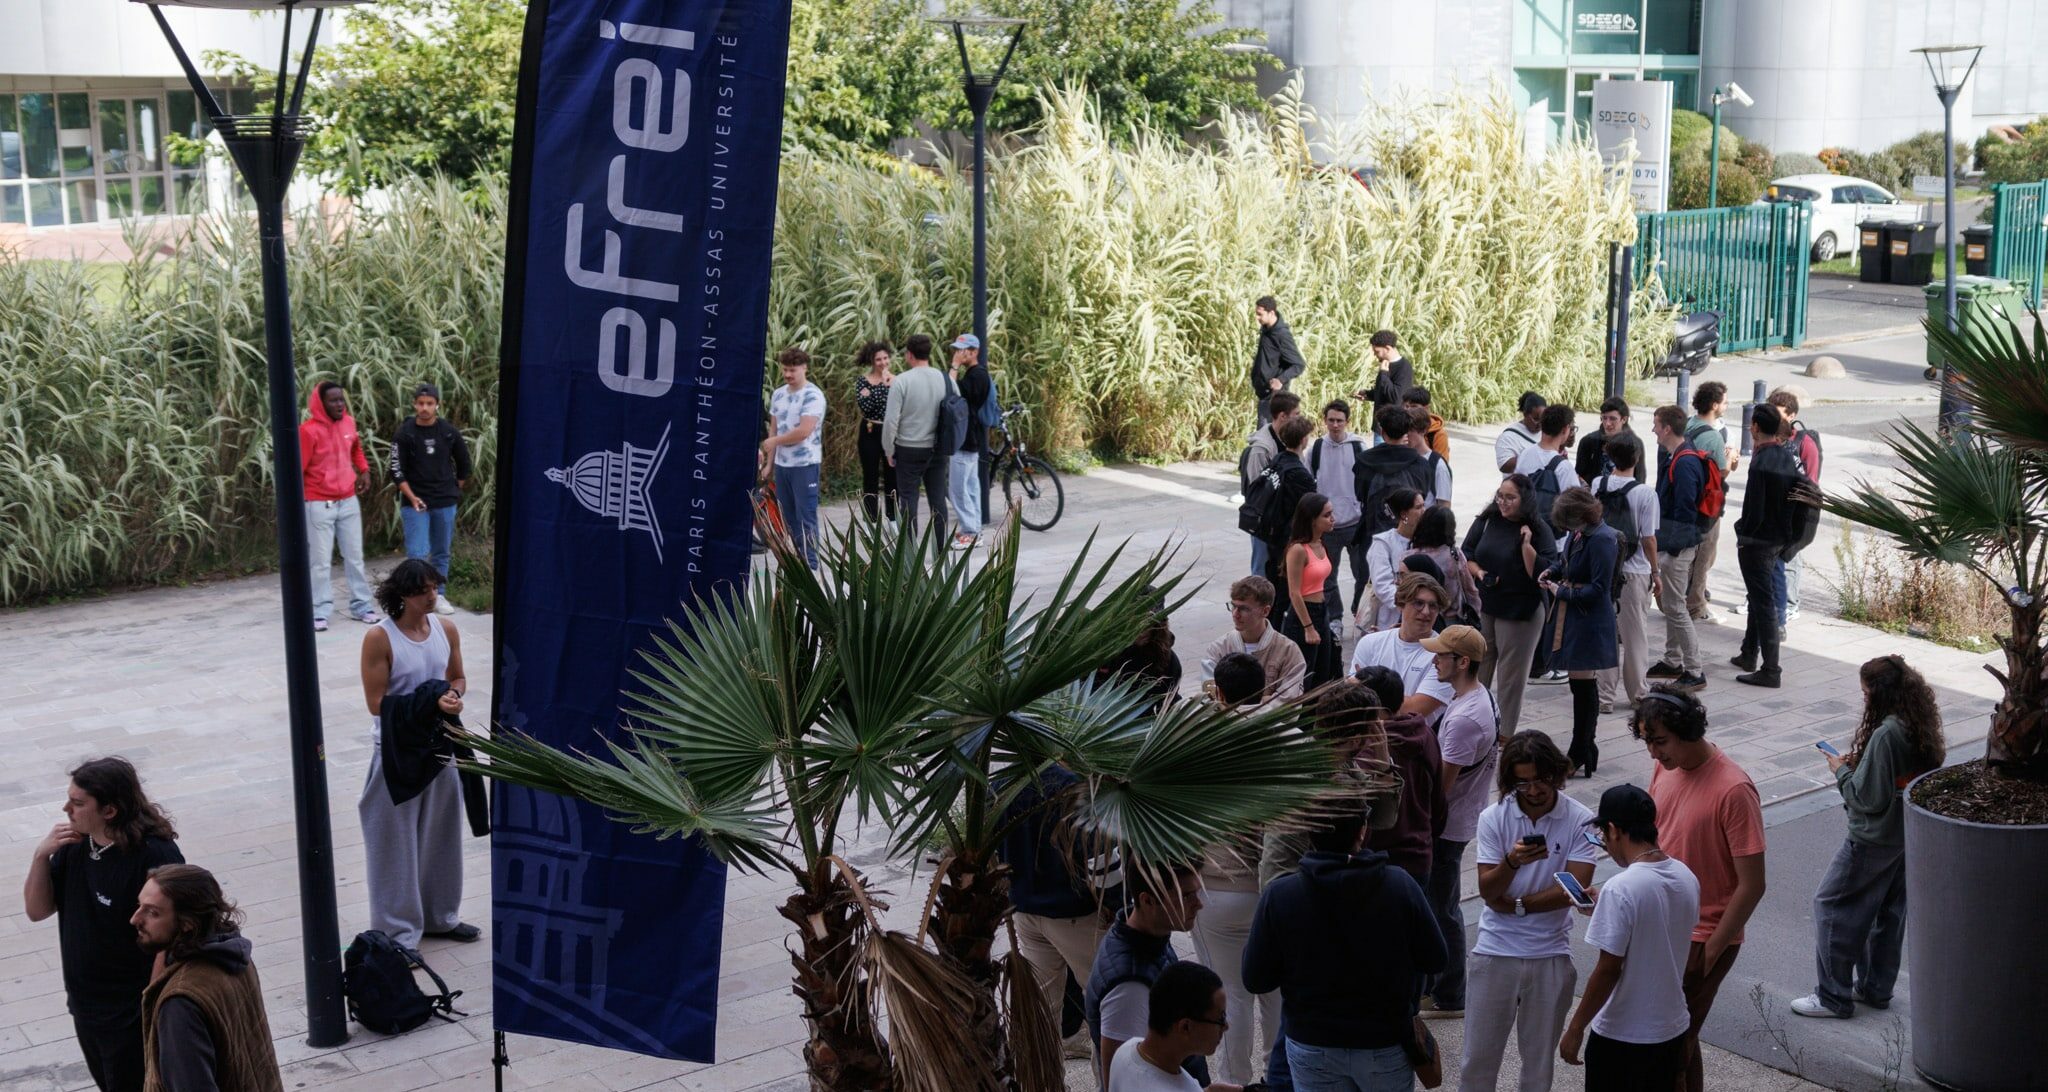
(331,456)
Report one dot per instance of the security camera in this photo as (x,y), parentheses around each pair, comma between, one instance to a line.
(1734,91)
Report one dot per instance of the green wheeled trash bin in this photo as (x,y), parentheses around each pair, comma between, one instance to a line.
(1909,244)
(1873,256)
(1977,299)
(1977,250)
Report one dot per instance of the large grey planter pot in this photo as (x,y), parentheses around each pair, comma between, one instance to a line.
(1977,920)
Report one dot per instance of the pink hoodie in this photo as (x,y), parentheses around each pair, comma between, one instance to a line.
(330,452)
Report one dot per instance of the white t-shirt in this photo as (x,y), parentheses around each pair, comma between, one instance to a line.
(789,408)
(1537,935)
(1125,1010)
(1415,664)
(1513,439)
(1642,504)
(1129,1072)
(1535,458)
(1469,736)
(1440,488)
(1646,915)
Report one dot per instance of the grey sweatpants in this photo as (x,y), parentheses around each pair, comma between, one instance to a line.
(1531,997)
(412,853)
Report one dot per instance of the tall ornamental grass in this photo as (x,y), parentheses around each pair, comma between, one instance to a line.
(134,444)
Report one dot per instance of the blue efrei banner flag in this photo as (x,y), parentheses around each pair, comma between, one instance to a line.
(639,232)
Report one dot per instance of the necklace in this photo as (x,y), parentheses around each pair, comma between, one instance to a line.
(94,849)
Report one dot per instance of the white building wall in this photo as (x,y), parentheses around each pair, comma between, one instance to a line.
(1838,73)
(1344,47)
(119,38)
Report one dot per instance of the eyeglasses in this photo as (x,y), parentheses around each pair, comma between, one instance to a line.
(1245,608)
(1221,1025)
(1506,498)
(1525,786)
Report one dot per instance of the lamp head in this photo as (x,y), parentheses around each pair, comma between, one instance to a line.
(1950,65)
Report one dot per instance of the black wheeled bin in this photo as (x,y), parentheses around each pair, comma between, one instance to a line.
(1873,256)
(1977,250)
(1909,245)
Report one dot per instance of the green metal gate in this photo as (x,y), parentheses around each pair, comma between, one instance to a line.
(2019,234)
(1748,263)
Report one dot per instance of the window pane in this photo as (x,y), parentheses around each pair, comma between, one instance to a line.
(39,135)
(10,141)
(12,211)
(114,136)
(120,198)
(184,114)
(188,190)
(1541,85)
(45,204)
(74,132)
(1606,26)
(1674,27)
(146,127)
(152,187)
(240,100)
(82,198)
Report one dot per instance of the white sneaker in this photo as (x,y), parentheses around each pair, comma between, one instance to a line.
(1810,1005)
(442,605)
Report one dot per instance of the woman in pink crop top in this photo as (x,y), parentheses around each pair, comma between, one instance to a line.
(1307,567)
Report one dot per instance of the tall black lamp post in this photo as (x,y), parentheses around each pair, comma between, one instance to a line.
(265,148)
(981,92)
(1950,65)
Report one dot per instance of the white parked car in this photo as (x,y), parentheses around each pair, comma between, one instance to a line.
(1839,204)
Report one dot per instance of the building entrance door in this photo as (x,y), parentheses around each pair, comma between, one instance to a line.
(131,155)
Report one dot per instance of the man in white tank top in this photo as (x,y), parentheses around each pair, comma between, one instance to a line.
(413,849)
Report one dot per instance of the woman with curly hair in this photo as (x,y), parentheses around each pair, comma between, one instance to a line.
(871,397)
(1859,913)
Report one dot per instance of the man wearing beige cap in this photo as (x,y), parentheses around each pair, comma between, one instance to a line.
(1469,736)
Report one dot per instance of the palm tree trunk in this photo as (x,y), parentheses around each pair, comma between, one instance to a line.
(2018,745)
(846,1051)
(971,905)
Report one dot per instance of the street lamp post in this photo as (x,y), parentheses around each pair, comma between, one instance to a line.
(981,92)
(1723,93)
(266,147)
(1950,65)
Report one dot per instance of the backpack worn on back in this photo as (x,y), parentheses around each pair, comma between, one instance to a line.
(991,412)
(1713,485)
(1374,487)
(1260,515)
(1544,487)
(382,993)
(952,424)
(1802,517)
(1616,513)
(1799,452)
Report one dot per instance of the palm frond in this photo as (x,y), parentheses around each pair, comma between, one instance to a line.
(922,996)
(2003,375)
(1957,500)
(640,787)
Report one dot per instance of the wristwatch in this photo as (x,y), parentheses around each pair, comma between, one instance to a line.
(1520,910)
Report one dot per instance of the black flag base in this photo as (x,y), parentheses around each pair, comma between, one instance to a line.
(498,1059)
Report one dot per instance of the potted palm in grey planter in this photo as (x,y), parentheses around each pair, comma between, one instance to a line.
(1977,833)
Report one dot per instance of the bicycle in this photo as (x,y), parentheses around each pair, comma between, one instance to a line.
(1031,486)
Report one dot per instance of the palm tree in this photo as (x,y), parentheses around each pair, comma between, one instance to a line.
(904,684)
(1979,499)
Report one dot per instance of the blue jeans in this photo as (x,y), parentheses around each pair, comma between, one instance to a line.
(328,524)
(1778,589)
(1445,864)
(1337,1069)
(429,534)
(796,493)
(1259,551)
(963,486)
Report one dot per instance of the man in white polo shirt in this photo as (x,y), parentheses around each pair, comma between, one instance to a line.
(1519,976)
(1420,599)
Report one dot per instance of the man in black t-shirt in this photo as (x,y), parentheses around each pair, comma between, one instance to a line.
(88,871)
(430,466)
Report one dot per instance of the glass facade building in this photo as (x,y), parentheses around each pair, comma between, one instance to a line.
(1562,46)
(84,156)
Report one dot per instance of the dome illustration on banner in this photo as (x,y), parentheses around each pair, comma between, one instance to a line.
(613,484)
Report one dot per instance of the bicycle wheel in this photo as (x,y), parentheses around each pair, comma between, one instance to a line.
(1033,490)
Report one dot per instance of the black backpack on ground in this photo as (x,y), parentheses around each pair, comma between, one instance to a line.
(1544,487)
(382,994)
(1615,513)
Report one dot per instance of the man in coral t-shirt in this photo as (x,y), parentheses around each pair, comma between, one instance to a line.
(1710,818)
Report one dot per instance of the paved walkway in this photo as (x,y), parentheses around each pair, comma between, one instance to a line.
(187,682)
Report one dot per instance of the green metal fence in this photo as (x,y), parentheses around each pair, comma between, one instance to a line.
(1747,263)
(2019,234)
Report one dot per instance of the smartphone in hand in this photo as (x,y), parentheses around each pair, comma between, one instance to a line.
(1574,890)
(1534,840)
(1828,749)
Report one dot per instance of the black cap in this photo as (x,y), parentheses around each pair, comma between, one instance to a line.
(1627,807)
(428,389)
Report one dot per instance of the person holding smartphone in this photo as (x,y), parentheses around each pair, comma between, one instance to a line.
(1519,976)
(1631,1022)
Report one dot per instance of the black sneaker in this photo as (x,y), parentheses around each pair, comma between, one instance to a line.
(1691,683)
(1662,670)
(1759,678)
(1744,660)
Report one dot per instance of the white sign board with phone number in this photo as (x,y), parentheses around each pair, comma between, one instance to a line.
(1632,129)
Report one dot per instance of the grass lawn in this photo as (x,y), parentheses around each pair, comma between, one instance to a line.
(106,276)
(1848,265)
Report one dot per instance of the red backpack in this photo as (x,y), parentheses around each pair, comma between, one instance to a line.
(1714,489)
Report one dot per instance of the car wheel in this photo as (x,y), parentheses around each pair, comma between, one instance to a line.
(1824,247)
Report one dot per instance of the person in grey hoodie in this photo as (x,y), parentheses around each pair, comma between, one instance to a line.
(1347,941)
(1859,913)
